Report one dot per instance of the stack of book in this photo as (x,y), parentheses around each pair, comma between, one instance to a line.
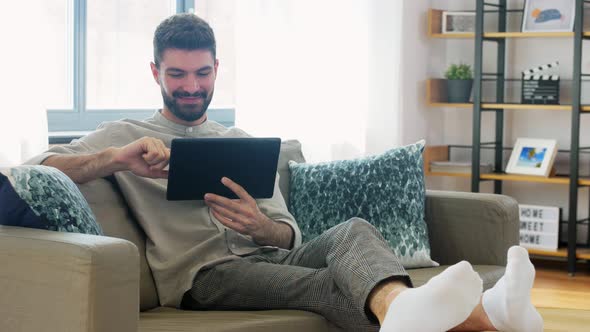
(457,167)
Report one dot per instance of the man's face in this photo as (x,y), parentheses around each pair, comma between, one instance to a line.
(187,81)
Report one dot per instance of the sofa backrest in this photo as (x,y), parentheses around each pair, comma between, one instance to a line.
(116,220)
(290,150)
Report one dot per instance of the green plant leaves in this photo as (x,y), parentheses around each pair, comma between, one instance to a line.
(459,72)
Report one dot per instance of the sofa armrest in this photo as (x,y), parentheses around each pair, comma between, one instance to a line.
(51,281)
(475,227)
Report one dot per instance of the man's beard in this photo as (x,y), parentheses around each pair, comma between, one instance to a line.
(187,112)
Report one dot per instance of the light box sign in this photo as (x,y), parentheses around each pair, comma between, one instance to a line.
(539,226)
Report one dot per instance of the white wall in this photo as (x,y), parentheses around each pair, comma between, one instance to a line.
(398,116)
(521,54)
(385,38)
(418,121)
(410,68)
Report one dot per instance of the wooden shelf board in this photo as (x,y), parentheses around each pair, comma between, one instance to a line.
(585,108)
(583,254)
(528,34)
(461,175)
(528,107)
(561,252)
(471,35)
(525,178)
(455,105)
(515,177)
(468,35)
(436,96)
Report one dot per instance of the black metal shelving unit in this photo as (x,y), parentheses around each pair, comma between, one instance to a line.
(500,8)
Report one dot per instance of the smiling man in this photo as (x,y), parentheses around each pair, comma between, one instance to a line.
(243,253)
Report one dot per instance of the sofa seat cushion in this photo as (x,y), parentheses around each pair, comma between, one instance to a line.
(490,274)
(164,319)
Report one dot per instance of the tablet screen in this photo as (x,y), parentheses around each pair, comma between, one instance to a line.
(198,164)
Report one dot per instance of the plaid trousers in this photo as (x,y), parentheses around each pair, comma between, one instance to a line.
(331,275)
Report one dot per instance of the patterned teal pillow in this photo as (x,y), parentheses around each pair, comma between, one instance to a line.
(45,198)
(387,190)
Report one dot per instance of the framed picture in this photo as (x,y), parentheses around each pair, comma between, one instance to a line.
(458,22)
(549,16)
(532,157)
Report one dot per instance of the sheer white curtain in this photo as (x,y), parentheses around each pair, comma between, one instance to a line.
(23,120)
(325,72)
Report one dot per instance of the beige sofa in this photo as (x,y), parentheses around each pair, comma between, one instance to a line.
(63,282)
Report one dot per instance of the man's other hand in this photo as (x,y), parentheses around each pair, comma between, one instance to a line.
(242,214)
(145,157)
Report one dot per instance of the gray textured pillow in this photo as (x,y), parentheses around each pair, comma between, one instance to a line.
(45,198)
(387,190)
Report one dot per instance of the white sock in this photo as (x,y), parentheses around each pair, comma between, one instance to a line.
(444,302)
(508,304)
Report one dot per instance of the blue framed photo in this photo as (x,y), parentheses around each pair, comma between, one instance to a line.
(532,156)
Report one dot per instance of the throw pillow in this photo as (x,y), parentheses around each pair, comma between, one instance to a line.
(45,198)
(387,190)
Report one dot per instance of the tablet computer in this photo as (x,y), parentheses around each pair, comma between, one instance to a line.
(198,164)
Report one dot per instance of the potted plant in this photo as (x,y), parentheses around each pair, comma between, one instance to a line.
(459,82)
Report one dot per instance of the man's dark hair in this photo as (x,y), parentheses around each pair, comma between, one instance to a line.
(185,32)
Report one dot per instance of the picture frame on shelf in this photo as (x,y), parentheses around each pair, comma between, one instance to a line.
(532,156)
(549,16)
(458,22)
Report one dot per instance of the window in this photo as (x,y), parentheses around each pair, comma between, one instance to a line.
(119,43)
(101,57)
(56,43)
(99,53)
(221,15)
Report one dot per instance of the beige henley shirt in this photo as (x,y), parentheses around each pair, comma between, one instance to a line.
(182,236)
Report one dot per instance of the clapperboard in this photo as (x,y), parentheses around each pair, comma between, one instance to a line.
(539,226)
(539,87)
